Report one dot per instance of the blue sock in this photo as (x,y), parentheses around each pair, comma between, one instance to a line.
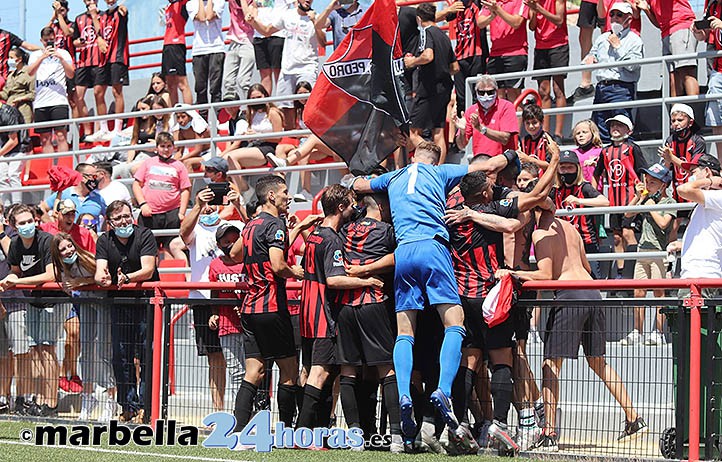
(450,357)
(404,363)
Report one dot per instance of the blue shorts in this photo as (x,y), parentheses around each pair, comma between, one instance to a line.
(424,275)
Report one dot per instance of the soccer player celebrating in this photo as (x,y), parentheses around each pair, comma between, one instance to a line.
(424,270)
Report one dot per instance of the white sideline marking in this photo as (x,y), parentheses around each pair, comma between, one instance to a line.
(135,453)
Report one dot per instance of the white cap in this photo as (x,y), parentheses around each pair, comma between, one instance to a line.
(622,119)
(683,108)
(624,7)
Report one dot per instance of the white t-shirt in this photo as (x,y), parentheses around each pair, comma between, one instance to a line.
(702,244)
(300,50)
(267,11)
(201,251)
(208,37)
(115,191)
(50,82)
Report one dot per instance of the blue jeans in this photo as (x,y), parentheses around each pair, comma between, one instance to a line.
(614,92)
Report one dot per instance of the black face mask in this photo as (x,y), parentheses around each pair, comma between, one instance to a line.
(682,133)
(529,186)
(92,185)
(167,160)
(226,250)
(586,146)
(304,8)
(569,178)
(257,107)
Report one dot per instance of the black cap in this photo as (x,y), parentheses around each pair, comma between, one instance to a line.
(224,228)
(569,157)
(703,160)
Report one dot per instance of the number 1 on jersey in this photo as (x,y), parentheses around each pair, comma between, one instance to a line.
(413,174)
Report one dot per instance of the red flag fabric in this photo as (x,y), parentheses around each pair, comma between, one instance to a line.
(357,105)
(62,177)
(498,303)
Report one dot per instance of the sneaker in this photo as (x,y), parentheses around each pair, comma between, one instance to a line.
(463,441)
(109,410)
(47,411)
(75,385)
(581,93)
(442,403)
(483,437)
(547,443)
(633,338)
(500,432)
(633,429)
(276,161)
(397,444)
(99,137)
(426,440)
(87,406)
(527,436)
(303,196)
(21,406)
(64,384)
(655,338)
(33,409)
(4,405)
(408,423)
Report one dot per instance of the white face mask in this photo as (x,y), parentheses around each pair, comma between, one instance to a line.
(12,64)
(617,28)
(486,101)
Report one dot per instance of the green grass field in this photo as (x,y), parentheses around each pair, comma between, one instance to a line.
(12,449)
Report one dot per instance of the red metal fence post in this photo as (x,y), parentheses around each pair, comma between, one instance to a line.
(694,302)
(158,301)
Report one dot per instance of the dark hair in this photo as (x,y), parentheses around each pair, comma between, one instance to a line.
(107,167)
(300,105)
(426,12)
(150,85)
(17,210)
(46,32)
(164,137)
(267,184)
(427,146)
(20,53)
(472,183)
(334,196)
(82,166)
(85,258)
(509,173)
(268,106)
(251,209)
(531,168)
(531,112)
(64,4)
(115,206)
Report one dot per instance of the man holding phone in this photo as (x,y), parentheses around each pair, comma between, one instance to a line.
(340,16)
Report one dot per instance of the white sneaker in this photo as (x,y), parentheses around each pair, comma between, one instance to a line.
(87,406)
(397,444)
(303,196)
(634,338)
(655,338)
(500,433)
(429,442)
(110,410)
(101,135)
(526,437)
(276,161)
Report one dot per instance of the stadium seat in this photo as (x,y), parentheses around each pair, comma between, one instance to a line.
(35,171)
(174,277)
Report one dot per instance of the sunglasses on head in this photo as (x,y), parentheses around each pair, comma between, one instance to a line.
(485,92)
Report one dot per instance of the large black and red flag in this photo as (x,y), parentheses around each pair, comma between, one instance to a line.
(357,105)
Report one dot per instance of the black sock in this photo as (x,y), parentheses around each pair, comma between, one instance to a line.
(244,404)
(325,403)
(501,391)
(307,416)
(299,399)
(628,272)
(391,399)
(461,392)
(287,403)
(367,398)
(349,393)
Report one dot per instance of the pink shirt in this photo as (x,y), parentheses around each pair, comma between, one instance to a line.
(547,34)
(501,117)
(162,183)
(505,40)
(592,153)
(239,31)
(672,15)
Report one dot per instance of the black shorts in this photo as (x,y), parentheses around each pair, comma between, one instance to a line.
(684,213)
(117,74)
(588,16)
(264,146)
(506,64)
(207,340)
(50,113)
(70,85)
(92,76)
(174,60)
(617,222)
(365,335)
(429,112)
(571,326)
(522,316)
(268,335)
(166,220)
(318,352)
(295,323)
(473,319)
(268,51)
(551,58)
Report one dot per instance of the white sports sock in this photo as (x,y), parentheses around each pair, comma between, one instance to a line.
(103,125)
(118,126)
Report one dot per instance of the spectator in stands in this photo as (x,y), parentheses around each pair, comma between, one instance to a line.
(589,146)
(109,189)
(19,90)
(534,142)
(509,47)
(8,40)
(269,49)
(190,126)
(548,20)
(158,87)
(587,21)
(490,124)
(616,84)
(216,171)
(162,189)
(340,18)
(711,36)
(85,195)
(90,223)
(174,51)
(65,212)
(51,67)
(10,146)
(239,61)
(117,55)
(64,31)
(434,62)
(126,254)
(299,60)
(675,20)
(208,49)
(656,227)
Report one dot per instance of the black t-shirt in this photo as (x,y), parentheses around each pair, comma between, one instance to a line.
(434,78)
(10,116)
(408,29)
(33,260)
(126,256)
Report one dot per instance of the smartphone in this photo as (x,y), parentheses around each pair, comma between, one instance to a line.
(220,190)
(701,24)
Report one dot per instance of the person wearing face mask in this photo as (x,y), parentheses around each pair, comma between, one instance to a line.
(85,195)
(490,124)
(19,90)
(108,188)
(8,40)
(198,232)
(189,125)
(616,84)
(127,254)
(162,190)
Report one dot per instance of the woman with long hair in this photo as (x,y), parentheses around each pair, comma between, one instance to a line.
(159,88)
(75,268)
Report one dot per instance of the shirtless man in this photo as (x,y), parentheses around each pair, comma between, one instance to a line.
(560,256)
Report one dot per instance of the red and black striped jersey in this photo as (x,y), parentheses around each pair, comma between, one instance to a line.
(685,150)
(266,292)
(535,147)
(468,35)
(62,41)
(455,199)
(115,33)
(478,252)
(8,40)
(621,168)
(585,224)
(89,54)
(323,259)
(176,17)
(366,241)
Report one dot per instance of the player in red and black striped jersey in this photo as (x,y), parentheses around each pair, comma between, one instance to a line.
(265,318)
(8,40)
(114,23)
(471,48)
